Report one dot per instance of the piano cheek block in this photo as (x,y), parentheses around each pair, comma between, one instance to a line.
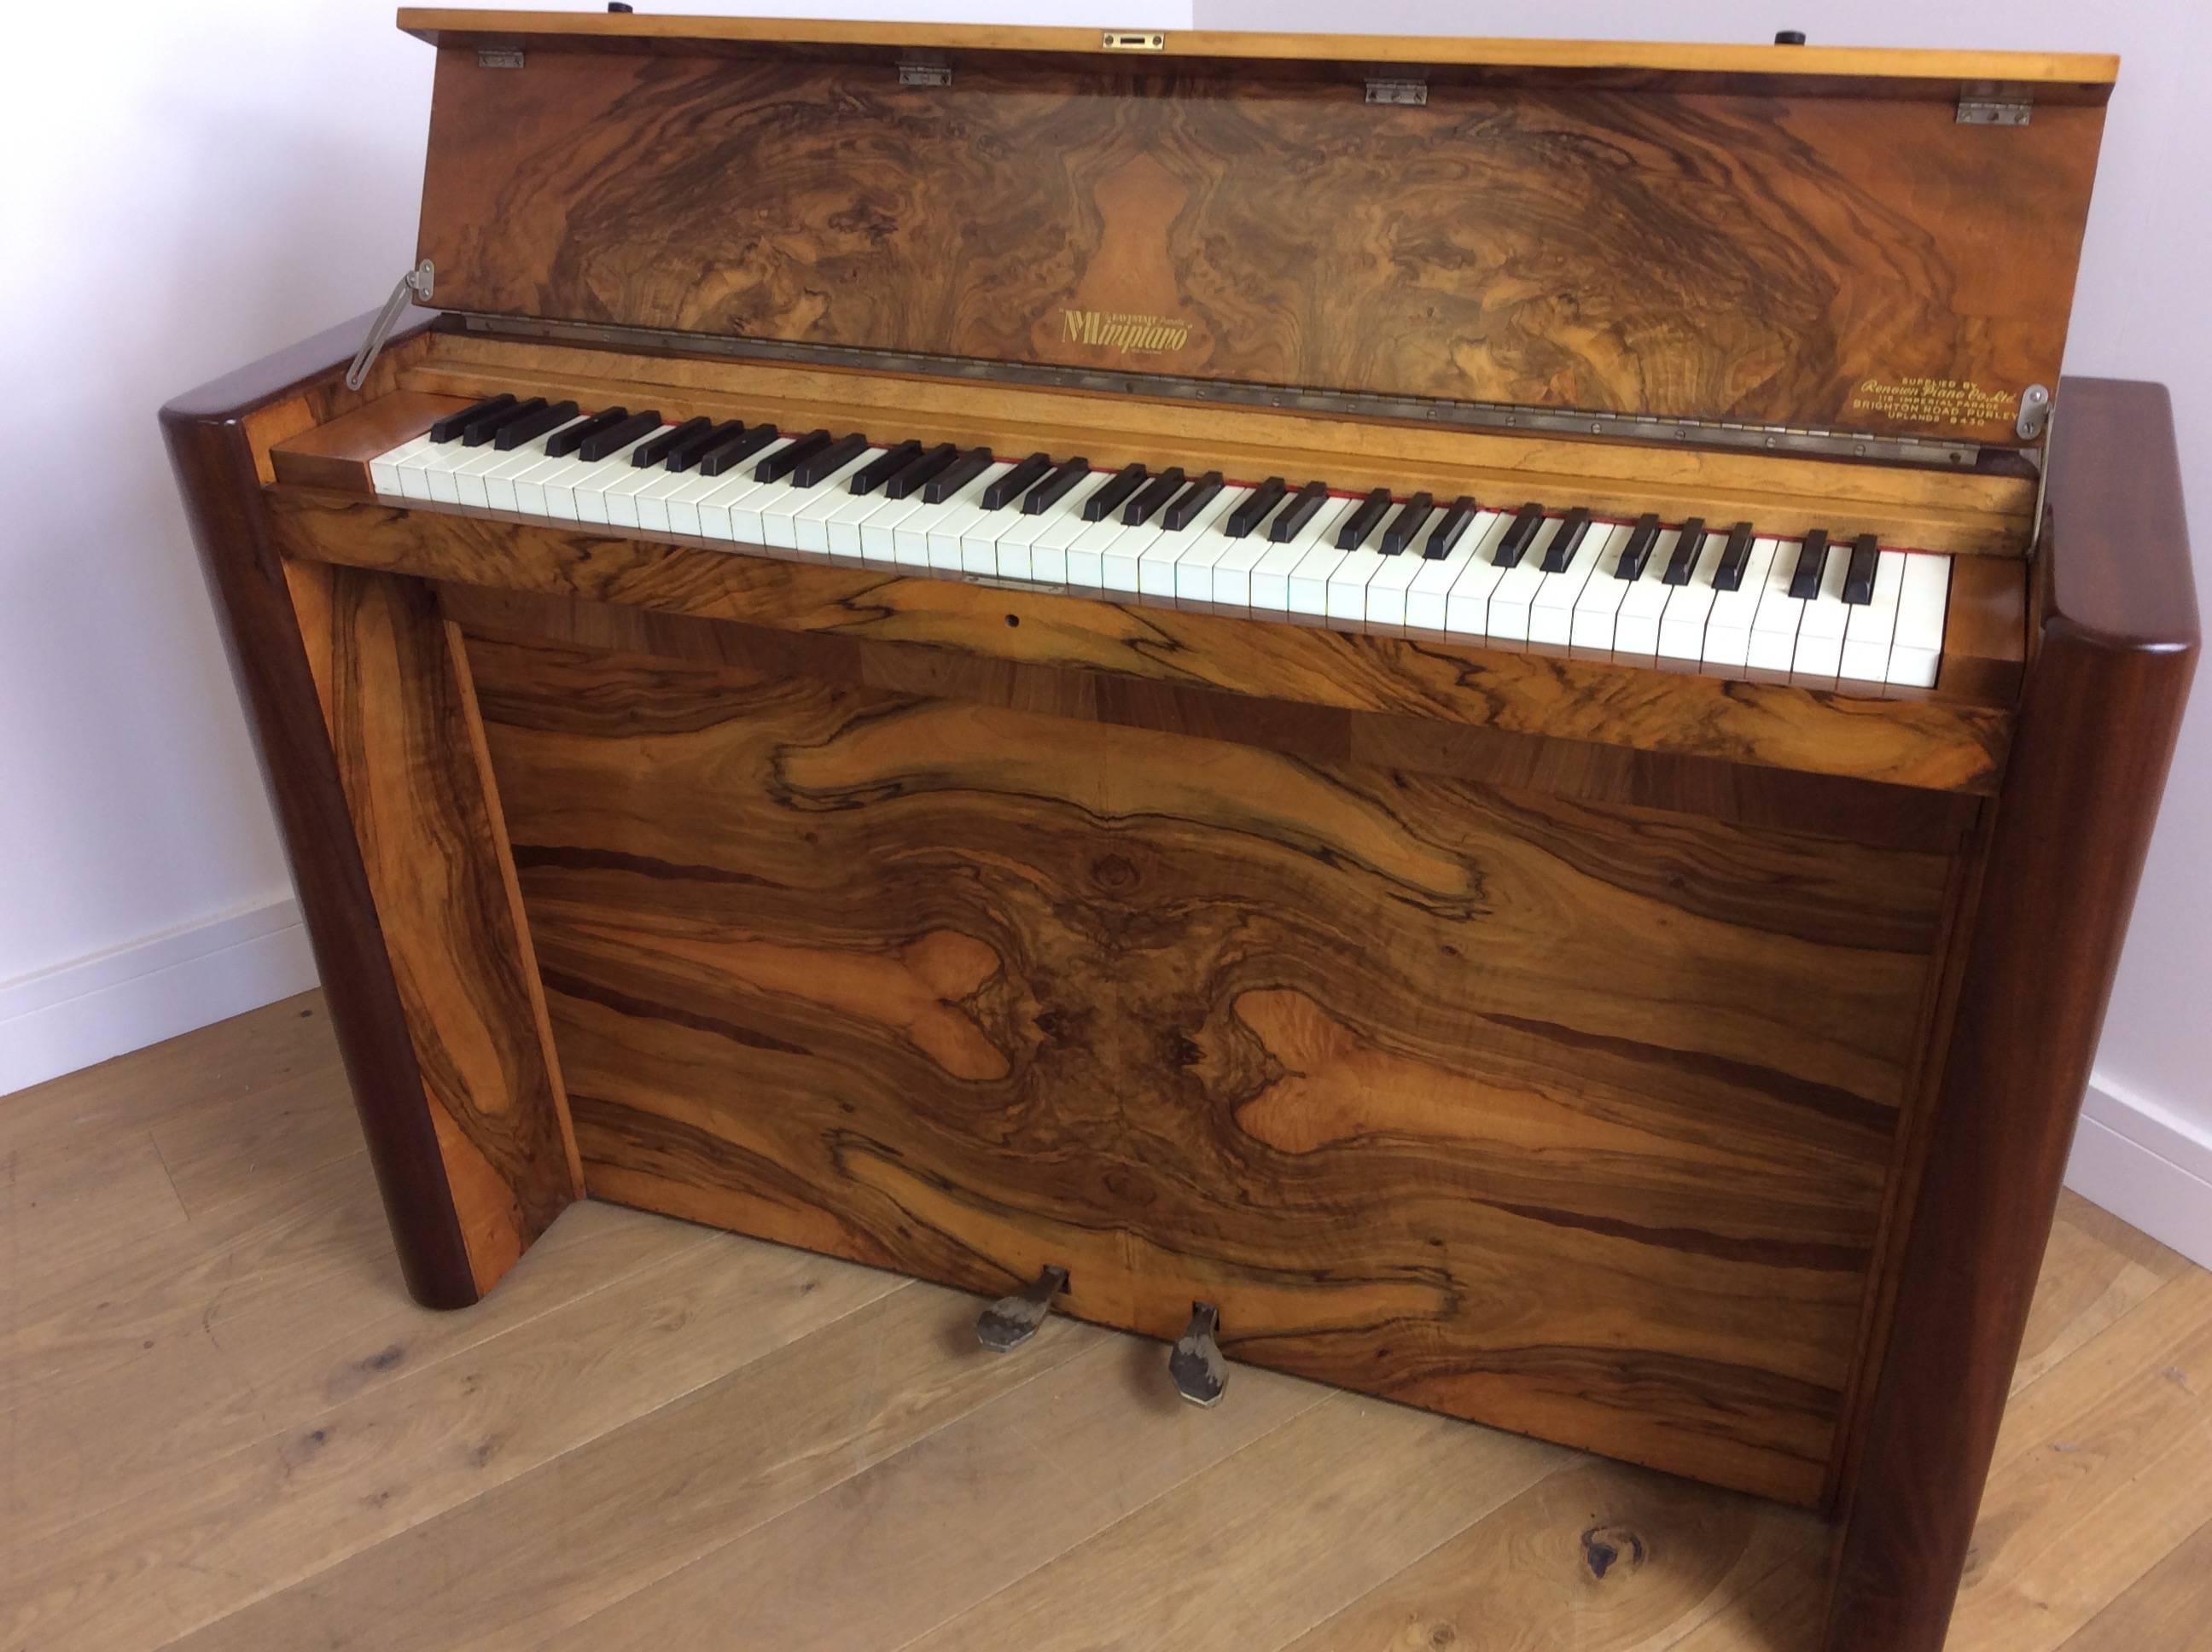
(1366,911)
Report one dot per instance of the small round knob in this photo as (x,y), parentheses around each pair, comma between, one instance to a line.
(1787,37)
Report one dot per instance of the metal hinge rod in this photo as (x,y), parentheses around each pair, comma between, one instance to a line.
(415,283)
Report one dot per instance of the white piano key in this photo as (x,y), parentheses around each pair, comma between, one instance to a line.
(810,518)
(465,474)
(1232,568)
(1590,628)
(1428,594)
(1271,575)
(961,514)
(613,471)
(1916,652)
(1820,654)
(1382,598)
(1682,627)
(1343,594)
(1123,561)
(1310,580)
(1035,548)
(413,472)
(844,525)
(1086,552)
(1728,628)
(979,538)
(1194,579)
(720,511)
(1510,599)
(1872,624)
(1552,614)
(749,511)
(1774,628)
(1467,610)
(530,495)
(685,503)
(499,482)
(879,534)
(792,518)
(438,467)
(653,499)
(1636,622)
(1159,563)
(621,494)
(383,470)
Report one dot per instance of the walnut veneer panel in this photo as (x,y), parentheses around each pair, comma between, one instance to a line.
(1857,262)
(1569,1118)
(400,709)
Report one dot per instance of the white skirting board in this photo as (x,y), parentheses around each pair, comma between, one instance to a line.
(2149,1167)
(79,1014)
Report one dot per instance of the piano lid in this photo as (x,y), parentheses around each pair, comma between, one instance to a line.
(1773,236)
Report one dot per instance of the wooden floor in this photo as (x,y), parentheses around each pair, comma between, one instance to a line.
(223,1425)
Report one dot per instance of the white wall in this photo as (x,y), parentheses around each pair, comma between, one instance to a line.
(191,186)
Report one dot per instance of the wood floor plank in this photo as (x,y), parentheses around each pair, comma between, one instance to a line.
(2167,1609)
(1259,1547)
(238,1146)
(117,1431)
(514,1565)
(2096,1271)
(67,1209)
(2103,1468)
(216,1538)
(878,1559)
(1597,1557)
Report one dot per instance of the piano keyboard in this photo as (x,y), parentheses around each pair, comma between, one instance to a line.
(1720,598)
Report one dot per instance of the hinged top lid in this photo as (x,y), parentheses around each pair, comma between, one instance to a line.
(1770,235)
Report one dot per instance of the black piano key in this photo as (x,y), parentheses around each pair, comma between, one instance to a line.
(1155,495)
(955,476)
(1291,520)
(618,435)
(886,465)
(1361,522)
(1683,562)
(1117,488)
(820,466)
(1254,511)
(1405,524)
(483,430)
(687,452)
(1812,557)
(1448,529)
(1638,551)
(1858,578)
(733,451)
(561,443)
(1015,482)
(914,476)
(1574,528)
(782,462)
(532,425)
(1196,498)
(453,423)
(655,449)
(1518,538)
(1055,487)
(1729,576)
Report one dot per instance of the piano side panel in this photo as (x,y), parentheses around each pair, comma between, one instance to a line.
(1568,1117)
(400,711)
(1862,263)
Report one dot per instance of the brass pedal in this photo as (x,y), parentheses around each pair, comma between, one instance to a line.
(1195,1362)
(1011,1321)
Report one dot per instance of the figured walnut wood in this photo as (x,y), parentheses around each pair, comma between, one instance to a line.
(1685,253)
(1932,743)
(1540,1113)
(400,708)
(336,454)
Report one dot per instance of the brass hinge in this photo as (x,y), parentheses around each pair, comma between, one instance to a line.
(1132,39)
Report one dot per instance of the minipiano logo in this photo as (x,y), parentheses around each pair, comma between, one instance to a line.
(1132,335)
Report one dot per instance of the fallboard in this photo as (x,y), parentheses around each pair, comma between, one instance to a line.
(1780,237)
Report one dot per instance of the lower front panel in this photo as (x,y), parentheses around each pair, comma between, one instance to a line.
(1566,1118)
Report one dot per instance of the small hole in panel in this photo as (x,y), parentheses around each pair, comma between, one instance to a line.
(1014,619)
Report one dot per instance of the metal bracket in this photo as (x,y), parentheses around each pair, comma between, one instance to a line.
(495,56)
(1992,103)
(924,74)
(2034,411)
(1201,1373)
(1132,39)
(417,282)
(1412,94)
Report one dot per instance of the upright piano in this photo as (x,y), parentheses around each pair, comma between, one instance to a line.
(1473,718)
